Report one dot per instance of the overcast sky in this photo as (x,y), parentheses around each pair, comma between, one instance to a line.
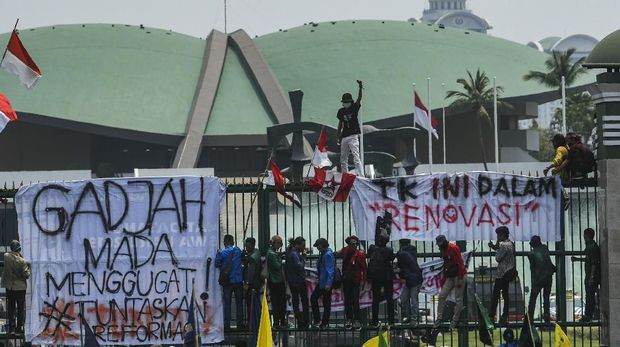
(517,20)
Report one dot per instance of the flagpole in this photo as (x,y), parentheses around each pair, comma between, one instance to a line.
(443,126)
(563,105)
(359,117)
(414,124)
(430,126)
(495,121)
(7,46)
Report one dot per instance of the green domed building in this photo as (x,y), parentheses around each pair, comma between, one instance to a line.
(116,97)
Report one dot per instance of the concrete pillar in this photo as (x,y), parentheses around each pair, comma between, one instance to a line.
(606,96)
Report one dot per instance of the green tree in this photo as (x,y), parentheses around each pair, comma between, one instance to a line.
(579,115)
(558,65)
(478,97)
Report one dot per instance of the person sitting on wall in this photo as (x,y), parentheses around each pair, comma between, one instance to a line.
(16,272)
(349,131)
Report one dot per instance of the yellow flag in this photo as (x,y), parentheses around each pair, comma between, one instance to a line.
(264,338)
(376,341)
(561,340)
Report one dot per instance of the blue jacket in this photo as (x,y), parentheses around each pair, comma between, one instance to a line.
(326,269)
(223,258)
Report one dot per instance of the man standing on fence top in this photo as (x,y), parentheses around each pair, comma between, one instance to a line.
(505,273)
(593,273)
(349,131)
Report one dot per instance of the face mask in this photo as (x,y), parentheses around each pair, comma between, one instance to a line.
(346,104)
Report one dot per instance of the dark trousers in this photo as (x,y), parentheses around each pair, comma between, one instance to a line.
(590,300)
(546,289)
(252,303)
(278,302)
(300,292)
(351,300)
(386,286)
(327,305)
(229,290)
(15,300)
(500,287)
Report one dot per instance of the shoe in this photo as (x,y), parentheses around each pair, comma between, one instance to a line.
(357,325)
(316,325)
(348,325)
(430,338)
(585,319)
(323,326)
(503,320)
(547,318)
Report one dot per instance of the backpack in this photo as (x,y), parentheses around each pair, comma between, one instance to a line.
(224,278)
(376,266)
(583,160)
(337,284)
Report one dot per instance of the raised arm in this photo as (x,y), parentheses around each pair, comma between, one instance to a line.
(359,93)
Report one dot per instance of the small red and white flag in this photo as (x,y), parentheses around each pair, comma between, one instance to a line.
(7,113)
(277,179)
(18,61)
(331,185)
(320,158)
(421,116)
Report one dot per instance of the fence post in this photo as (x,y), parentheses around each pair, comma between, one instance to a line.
(560,277)
(463,332)
(263,220)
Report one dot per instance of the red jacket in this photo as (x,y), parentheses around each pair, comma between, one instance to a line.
(354,265)
(452,257)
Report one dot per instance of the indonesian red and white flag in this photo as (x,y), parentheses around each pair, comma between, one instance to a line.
(7,113)
(277,179)
(320,158)
(18,61)
(331,185)
(421,116)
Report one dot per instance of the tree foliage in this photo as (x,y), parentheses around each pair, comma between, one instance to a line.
(558,65)
(477,95)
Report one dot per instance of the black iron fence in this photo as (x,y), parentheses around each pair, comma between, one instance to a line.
(271,214)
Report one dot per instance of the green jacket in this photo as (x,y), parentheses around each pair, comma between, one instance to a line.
(274,266)
(251,271)
(541,267)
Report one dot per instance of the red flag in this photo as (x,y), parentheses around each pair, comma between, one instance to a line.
(7,113)
(18,61)
(330,185)
(278,180)
(421,114)
(320,158)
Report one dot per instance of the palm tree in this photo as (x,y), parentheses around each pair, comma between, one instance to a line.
(558,65)
(478,96)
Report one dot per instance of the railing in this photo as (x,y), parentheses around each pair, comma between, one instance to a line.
(271,214)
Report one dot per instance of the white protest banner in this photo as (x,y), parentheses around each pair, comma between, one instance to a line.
(431,285)
(432,274)
(126,253)
(465,206)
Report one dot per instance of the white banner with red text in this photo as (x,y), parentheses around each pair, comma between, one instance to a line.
(431,285)
(464,206)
